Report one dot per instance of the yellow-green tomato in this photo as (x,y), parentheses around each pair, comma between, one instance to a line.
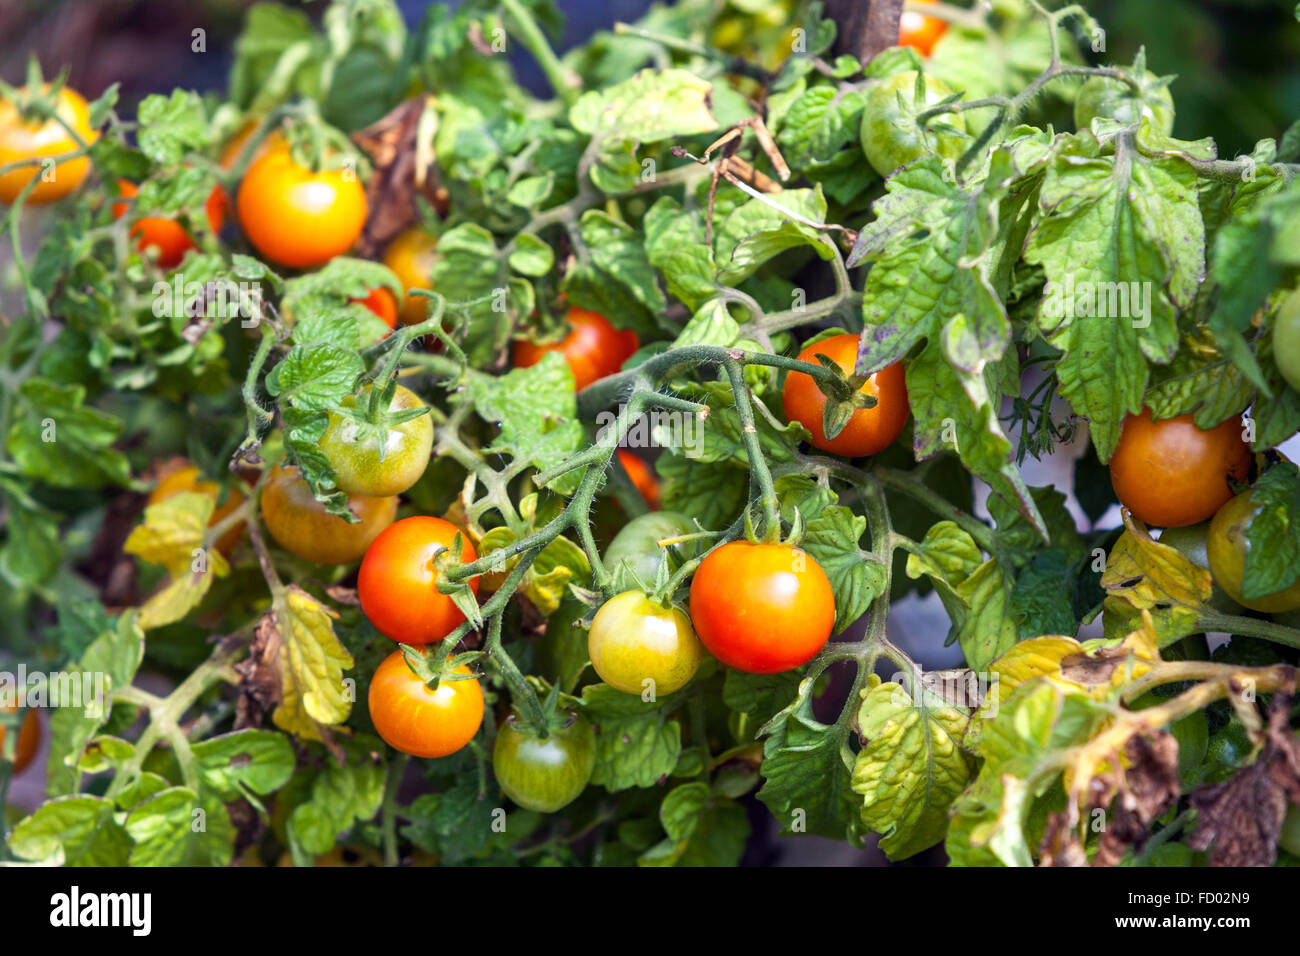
(548,773)
(890,134)
(637,645)
(378,460)
(1228,546)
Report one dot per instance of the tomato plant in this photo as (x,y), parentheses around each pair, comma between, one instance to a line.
(548,773)
(891,133)
(397,585)
(523,380)
(762,608)
(372,455)
(297,217)
(1172,472)
(30,132)
(301,525)
(637,645)
(592,347)
(419,721)
(868,430)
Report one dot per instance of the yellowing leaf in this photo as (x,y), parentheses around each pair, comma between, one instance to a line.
(1144,575)
(172,536)
(910,767)
(312,662)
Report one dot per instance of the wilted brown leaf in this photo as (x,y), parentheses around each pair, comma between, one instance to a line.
(259,685)
(401,171)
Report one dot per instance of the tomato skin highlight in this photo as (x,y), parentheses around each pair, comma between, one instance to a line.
(1228,545)
(20,140)
(397,582)
(187,478)
(762,608)
(544,774)
(420,722)
(920,32)
(593,348)
(869,430)
(296,217)
(643,477)
(634,640)
(1169,473)
(379,465)
(29,739)
(411,256)
(301,525)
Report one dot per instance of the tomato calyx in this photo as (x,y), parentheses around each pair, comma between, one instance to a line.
(421,661)
(559,712)
(451,582)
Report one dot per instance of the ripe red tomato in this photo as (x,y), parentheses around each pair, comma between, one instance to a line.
(762,608)
(185,477)
(296,217)
(20,139)
(301,525)
(381,302)
(919,31)
(1227,546)
(1170,473)
(166,235)
(411,256)
(544,774)
(419,721)
(634,640)
(643,476)
(29,739)
(593,348)
(870,430)
(397,583)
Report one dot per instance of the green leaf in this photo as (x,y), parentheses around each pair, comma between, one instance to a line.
(536,411)
(174,828)
(531,256)
(674,244)
(1273,558)
(72,831)
(807,768)
(910,768)
(340,796)
(856,577)
(703,829)
(636,744)
(755,232)
(619,252)
(56,439)
(259,760)
(171,126)
(315,376)
(650,106)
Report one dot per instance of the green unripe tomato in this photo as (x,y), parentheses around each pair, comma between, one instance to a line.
(636,645)
(1286,340)
(544,774)
(1120,102)
(890,134)
(636,544)
(1227,547)
(1191,542)
(378,460)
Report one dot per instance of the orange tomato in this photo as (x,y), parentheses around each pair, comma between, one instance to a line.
(919,31)
(593,348)
(869,430)
(166,235)
(419,721)
(411,256)
(1170,473)
(296,217)
(20,139)
(29,739)
(381,302)
(643,476)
